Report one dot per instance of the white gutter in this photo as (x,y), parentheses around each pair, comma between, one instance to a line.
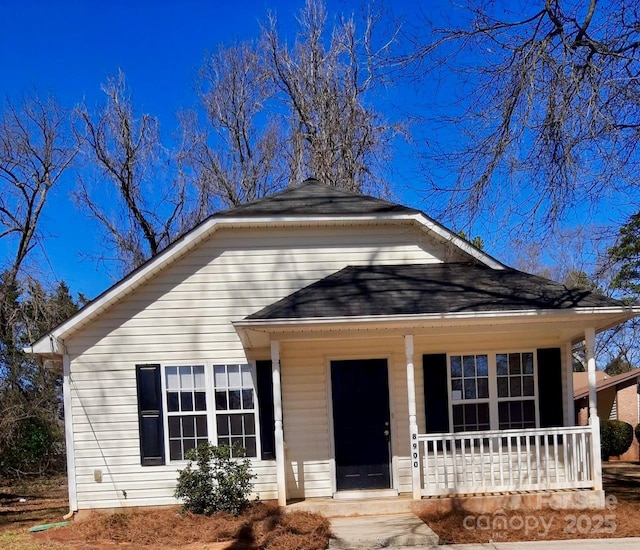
(256,324)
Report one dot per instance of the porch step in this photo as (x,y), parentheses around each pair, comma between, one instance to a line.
(332,508)
(398,530)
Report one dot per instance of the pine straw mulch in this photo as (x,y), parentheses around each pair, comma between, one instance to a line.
(460,527)
(262,526)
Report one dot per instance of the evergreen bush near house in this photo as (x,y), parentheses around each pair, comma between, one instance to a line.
(31,446)
(638,432)
(217,483)
(616,437)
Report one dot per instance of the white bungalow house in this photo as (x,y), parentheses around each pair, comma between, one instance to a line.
(352,346)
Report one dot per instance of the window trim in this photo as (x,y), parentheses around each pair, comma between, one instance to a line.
(212,435)
(493,398)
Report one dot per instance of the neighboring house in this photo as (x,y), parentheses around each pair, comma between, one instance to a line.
(618,399)
(354,347)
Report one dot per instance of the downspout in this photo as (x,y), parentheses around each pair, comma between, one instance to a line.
(68,435)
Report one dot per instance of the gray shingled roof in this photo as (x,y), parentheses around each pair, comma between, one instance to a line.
(427,288)
(311,198)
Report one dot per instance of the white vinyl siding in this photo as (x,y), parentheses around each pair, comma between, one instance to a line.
(185,313)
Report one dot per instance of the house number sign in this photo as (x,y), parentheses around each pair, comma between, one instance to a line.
(414,446)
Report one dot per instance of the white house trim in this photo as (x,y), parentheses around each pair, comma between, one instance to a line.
(600,318)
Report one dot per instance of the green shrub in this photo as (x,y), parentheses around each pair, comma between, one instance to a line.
(218,483)
(638,433)
(615,437)
(31,446)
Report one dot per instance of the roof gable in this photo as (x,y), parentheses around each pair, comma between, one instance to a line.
(385,290)
(310,202)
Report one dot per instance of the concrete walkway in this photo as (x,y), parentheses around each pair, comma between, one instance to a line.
(389,531)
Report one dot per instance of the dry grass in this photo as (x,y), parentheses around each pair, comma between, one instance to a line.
(44,501)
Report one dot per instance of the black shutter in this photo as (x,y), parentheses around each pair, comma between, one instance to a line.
(436,395)
(265,409)
(550,387)
(150,419)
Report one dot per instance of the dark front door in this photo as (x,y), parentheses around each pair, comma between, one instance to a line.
(361,423)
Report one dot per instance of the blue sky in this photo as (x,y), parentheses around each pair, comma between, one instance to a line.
(70,47)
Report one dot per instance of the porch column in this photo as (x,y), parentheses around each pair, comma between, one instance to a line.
(413,419)
(594,421)
(277,415)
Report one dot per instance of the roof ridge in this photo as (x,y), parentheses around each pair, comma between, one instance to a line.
(311,182)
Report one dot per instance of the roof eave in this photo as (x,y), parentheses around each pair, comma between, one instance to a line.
(621,313)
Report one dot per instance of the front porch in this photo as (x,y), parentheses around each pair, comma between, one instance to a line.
(480,402)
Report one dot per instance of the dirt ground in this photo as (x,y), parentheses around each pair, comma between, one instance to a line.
(23,505)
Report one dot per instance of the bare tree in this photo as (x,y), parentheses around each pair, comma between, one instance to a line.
(139,205)
(236,157)
(328,86)
(279,112)
(36,149)
(546,103)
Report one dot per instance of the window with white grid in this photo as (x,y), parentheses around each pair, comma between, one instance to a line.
(469,392)
(492,391)
(186,397)
(235,408)
(516,390)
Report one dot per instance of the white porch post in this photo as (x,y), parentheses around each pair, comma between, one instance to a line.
(413,419)
(594,421)
(277,415)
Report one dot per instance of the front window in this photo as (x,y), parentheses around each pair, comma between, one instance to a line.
(492,391)
(214,403)
(470,392)
(186,408)
(516,390)
(235,408)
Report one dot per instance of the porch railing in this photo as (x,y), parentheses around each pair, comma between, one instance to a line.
(506,460)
